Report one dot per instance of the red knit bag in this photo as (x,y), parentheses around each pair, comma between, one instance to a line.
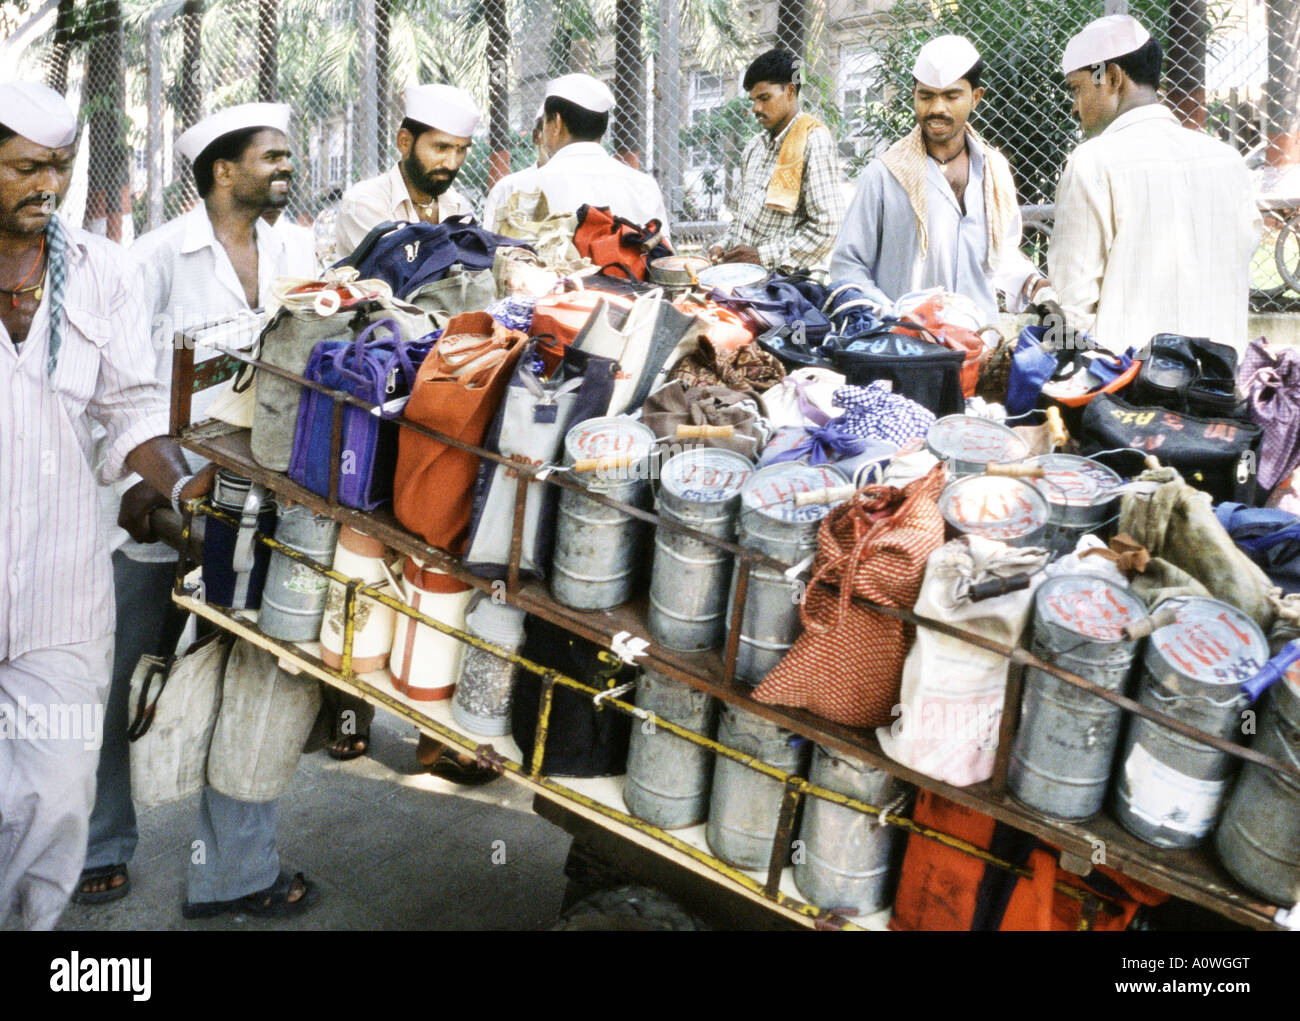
(848,663)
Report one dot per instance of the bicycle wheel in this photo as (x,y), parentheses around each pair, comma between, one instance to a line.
(1286,253)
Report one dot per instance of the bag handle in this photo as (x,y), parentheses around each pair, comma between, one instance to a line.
(160,672)
(368,243)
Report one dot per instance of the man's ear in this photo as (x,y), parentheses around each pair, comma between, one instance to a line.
(220,172)
(404,142)
(975,97)
(1115,77)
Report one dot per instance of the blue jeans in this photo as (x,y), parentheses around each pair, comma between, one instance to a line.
(234,851)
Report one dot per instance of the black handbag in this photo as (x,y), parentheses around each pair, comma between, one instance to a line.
(921,370)
(1218,455)
(582,739)
(1192,375)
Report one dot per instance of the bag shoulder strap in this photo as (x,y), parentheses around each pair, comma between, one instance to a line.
(368,243)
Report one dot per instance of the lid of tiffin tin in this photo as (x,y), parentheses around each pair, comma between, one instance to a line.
(995,507)
(1211,643)
(771,492)
(1088,606)
(705,475)
(1074,481)
(974,440)
(610,449)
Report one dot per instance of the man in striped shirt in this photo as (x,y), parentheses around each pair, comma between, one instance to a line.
(791,199)
(74,353)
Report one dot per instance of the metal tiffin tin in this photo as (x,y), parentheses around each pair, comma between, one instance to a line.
(968,444)
(1170,788)
(745,806)
(846,861)
(699,488)
(1259,836)
(1008,510)
(668,777)
(598,550)
(772,523)
(293,599)
(1080,495)
(1061,759)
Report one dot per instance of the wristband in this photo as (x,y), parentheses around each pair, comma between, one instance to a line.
(181,483)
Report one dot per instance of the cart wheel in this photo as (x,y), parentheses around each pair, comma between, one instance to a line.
(1286,253)
(627,909)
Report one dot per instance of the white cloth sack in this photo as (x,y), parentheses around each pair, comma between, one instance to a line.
(950,705)
(782,405)
(628,344)
(173,709)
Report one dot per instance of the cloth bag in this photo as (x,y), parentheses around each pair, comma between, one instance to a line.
(805,397)
(265,718)
(457,391)
(618,246)
(950,704)
(1271,538)
(627,343)
(676,404)
(1270,380)
(748,369)
(288,340)
(378,369)
(461,290)
(535,416)
(173,707)
(928,373)
(847,664)
(559,318)
(526,216)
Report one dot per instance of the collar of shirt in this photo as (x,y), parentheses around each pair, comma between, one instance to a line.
(939,182)
(775,142)
(403,205)
(200,235)
(577,151)
(1141,115)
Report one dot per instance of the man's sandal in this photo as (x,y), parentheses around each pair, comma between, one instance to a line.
(353,746)
(273,902)
(110,892)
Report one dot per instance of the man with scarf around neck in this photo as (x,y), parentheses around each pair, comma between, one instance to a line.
(791,193)
(75,355)
(939,208)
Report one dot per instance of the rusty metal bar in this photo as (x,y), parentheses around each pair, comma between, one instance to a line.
(733,627)
(784,834)
(1007,725)
(517,534)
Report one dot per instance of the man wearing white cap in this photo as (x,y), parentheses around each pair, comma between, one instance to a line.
(791,200)
(74,355)
(433,141)
(579,172)
(939,208)
(1156,224)
(216,261)
(522,181)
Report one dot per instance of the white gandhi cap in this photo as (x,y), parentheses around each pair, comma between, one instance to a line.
(582,90)
(1104,39)
(38,113)
(233,118)
(943,60)
(443,107)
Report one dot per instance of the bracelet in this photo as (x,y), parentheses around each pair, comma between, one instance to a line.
(181,483)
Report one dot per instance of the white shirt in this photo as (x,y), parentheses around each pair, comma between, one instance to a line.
(1155,229)
(186,279)
(524,180)
(369,203)
(878,248)
(584,173)
(56,584)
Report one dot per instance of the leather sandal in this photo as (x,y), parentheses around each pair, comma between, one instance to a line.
(107,895)
(273,902)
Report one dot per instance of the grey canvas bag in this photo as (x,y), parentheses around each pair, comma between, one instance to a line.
(173,709)
(459,291)
(265,719)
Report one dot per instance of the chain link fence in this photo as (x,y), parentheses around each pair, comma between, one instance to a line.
(142,71)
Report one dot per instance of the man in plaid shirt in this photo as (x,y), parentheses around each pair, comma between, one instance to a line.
(791,200)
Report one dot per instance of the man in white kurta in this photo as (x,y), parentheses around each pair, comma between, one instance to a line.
(1156,224)
(433,140)
(74,355)
(939,208)
(186,278)
(580,172)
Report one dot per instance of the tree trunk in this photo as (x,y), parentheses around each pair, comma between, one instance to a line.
(57,78)
(191,97)
(104,102)
(629,83)
(792,26)
(498,59)
(1283,89)
(268,61)
(1185,60)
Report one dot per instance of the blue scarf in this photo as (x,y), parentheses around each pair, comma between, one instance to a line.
(56,247)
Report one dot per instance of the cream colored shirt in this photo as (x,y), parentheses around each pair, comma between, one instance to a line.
(369,203)
(582,173)
(1155,229)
